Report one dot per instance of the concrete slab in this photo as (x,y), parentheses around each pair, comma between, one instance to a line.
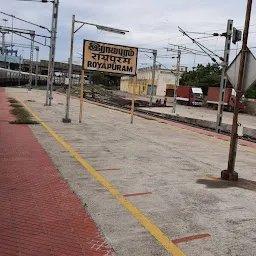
(207,114)
(172,163)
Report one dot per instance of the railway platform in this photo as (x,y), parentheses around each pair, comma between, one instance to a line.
(152,187)
(39,214)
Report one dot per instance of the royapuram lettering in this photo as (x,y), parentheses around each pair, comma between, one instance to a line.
(109,66)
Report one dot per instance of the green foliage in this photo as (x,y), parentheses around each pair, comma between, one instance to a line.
(23,116)
(97,77)
(251,94)
(104,79)
(202,76)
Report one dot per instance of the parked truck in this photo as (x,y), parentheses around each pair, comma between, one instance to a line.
(229,98)
(190,95)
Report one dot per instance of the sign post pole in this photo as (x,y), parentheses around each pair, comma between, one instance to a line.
(230,174)
(81,97)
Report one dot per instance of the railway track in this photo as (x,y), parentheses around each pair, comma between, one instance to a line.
(163,116)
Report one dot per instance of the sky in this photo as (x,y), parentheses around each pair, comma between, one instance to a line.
(152,24)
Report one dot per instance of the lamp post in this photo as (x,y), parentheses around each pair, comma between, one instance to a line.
(67,119)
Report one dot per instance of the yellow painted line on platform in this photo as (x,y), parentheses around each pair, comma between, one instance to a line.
(144,221)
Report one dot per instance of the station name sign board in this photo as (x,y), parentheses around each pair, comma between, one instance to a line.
(110,58)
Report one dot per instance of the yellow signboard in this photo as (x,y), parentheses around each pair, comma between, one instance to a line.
(110,58)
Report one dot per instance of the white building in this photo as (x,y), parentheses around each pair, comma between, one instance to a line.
(163,86)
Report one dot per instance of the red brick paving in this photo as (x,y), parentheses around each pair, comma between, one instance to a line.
(39,215)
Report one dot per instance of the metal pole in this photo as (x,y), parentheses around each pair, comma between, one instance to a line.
(153,77)
(50,79)
(37,59)
(134,82)
(177,82)
(3,43)
(19,70)
(3,48)
(223,82)
(67,119)
(81,97)
(12,37)
(230,173)
(31,62)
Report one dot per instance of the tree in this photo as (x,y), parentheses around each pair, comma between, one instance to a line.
(203,77)
(97,77)
(251,93)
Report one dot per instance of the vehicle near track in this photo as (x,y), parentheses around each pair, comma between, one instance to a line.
(229,99)
(188,95)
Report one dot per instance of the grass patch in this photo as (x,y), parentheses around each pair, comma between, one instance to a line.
(16,105)
(12,100)
(23,116)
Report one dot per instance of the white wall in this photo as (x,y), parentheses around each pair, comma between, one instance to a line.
(165,78)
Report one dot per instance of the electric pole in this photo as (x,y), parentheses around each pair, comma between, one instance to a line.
(223,82)
(19,70)
(153,77)
(3,46)
(177,82)
(3,42)
(67,119)
(31,61)
(50,79)
(230,173)
(37,59)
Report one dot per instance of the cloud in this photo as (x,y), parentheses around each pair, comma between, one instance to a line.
(151,23)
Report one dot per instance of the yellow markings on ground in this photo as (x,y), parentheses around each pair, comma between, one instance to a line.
(148,225)
(214,178)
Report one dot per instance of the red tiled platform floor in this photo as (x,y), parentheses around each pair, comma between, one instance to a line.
(39,215)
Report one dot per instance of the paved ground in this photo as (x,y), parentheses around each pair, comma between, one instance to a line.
(197,112)
(39,214)
(150,181)
(207,114)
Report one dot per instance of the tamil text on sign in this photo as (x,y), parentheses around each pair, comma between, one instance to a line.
(110,58)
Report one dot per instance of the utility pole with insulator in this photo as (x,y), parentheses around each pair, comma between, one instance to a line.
(31,61)
(230,173)
(153,78)
(37,59)
(177,82)
(50,79)
(19,70)
(223,82)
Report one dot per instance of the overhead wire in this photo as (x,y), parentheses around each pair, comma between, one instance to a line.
(31,23)
(202,47)
(30,39)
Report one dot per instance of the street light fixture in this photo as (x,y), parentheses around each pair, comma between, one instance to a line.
(73,31)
